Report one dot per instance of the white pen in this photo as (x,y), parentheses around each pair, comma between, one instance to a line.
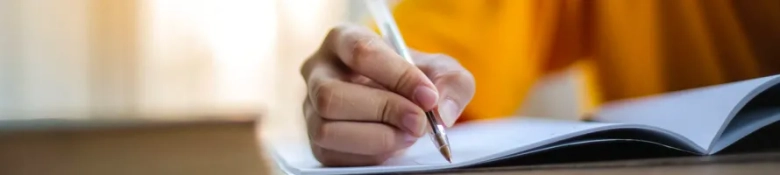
(388,28)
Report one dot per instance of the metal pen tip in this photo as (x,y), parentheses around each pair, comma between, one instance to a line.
(445,151)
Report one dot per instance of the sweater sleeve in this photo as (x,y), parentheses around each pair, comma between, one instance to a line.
(496,40)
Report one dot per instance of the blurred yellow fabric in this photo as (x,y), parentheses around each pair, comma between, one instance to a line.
(627,48)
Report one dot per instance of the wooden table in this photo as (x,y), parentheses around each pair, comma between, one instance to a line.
(224,145)
(231,147)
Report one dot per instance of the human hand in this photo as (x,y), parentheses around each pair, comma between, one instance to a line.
(365,103)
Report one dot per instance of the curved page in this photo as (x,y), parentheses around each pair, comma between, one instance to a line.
(471,144)
(746,124)
(698,114)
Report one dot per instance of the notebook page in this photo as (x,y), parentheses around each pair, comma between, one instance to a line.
(471,143)
(760,112)
(751,122)
(698,114)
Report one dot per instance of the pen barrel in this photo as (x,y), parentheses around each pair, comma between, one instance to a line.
(438,135)
(388,27)
(398,43)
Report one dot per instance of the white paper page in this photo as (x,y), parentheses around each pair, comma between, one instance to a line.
(744,125)
(698,114)
(471,143)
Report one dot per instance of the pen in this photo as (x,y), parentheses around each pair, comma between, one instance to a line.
(388,28)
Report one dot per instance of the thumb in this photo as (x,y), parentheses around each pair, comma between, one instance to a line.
(456,91)
(455,84)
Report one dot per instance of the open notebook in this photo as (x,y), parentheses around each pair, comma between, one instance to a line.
(702,121)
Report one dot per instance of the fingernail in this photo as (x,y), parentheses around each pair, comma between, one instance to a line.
(410,139)
(448,112)
(413,123)
(425,96)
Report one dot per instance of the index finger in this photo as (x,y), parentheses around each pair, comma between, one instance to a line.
(365,53)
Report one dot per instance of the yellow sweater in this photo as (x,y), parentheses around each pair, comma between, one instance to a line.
(629,48)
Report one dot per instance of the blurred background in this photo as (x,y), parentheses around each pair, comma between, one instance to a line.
(157,58)
(173,59)
(109,58)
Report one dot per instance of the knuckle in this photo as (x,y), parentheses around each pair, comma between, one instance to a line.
(307,65)
(385,108)
(320,134)
(361,45)
(363,49)
(314,127)
(323,94)
(325,157)
(406,79)
(335,32)
(309,114)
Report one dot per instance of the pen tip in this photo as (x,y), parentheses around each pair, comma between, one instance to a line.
(445,151)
